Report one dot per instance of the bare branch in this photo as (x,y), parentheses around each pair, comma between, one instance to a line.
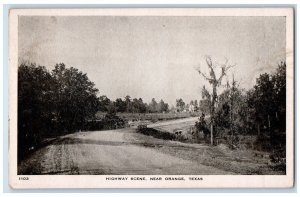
(201,73)
(208,61)
(225,68)
(211,67)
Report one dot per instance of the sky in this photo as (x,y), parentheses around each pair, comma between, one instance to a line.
(154,56)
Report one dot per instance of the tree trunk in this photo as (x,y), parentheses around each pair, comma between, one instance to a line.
(211,134)
(231,119)
(269,122)
(214,97)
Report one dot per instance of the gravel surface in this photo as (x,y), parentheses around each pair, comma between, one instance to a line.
(108,152)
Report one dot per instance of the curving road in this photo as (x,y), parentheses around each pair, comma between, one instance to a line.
(108,152)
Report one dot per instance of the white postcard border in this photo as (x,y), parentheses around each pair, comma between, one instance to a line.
(99,181)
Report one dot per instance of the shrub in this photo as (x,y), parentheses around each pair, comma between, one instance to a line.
(157,134)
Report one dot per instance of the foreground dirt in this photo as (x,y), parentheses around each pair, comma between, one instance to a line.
(109,152)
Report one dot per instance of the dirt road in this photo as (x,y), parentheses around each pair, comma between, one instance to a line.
(189,121)
(108,152)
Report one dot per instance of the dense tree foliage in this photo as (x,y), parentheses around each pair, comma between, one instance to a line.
(230,114)
(36,89)
(75,97)
(52,103)
(180,105)
(267,101)
(134,105)
(240,115)
(260,111)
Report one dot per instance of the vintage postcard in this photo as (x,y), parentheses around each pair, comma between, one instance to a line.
(151,98)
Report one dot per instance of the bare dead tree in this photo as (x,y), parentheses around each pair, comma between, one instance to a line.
(215,83)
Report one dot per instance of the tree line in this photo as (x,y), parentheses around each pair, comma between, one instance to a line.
(53,102)
(137,105)
(129,105)
(64,100)
(259,111)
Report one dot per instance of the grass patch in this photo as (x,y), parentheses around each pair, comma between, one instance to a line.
(157,134)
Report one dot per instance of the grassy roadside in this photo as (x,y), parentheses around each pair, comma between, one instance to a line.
(242,162)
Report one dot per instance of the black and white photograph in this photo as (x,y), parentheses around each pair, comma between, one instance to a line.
(152,96)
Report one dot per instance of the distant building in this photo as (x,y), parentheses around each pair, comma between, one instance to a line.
(191,108)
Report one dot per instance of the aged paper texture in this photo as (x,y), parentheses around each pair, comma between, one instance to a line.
(151,98)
